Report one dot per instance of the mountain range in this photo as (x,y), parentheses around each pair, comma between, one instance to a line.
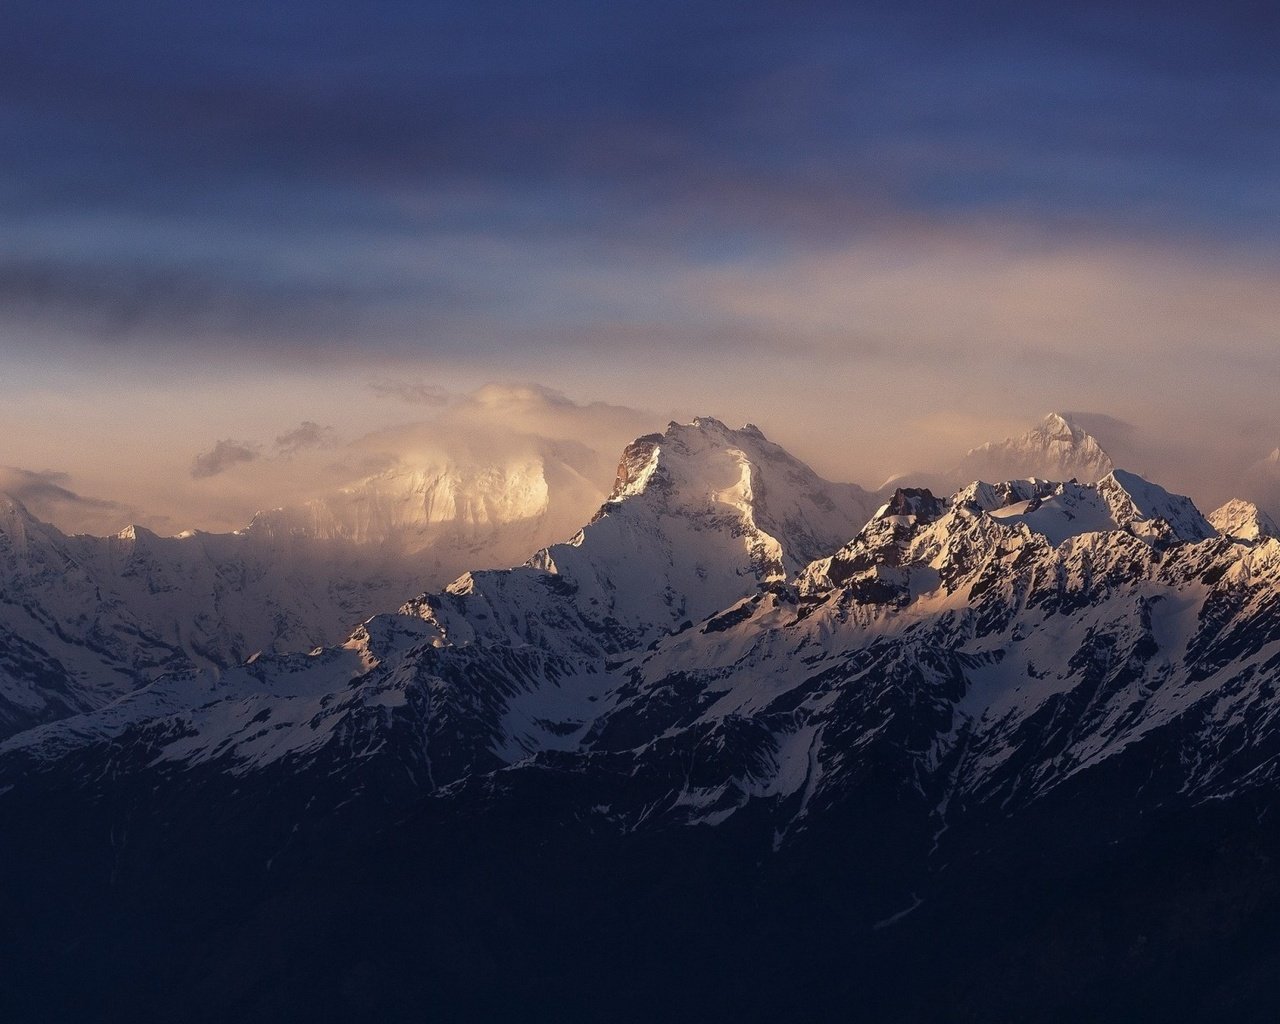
(748,745)
(86,619)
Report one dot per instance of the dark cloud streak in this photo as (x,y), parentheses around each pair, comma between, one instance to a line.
(47,487)
(222,456)
(306,435)
(48,496)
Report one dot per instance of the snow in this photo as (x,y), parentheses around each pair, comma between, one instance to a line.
(1119,501)
(1243,521)
(1131,499)
(1056,448)
(1070,512)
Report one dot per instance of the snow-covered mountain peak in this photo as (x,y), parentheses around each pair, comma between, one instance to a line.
(446,513)
(916,540)
(699,517)
(1120,501)
(981,496)
(708,472)
(1243,521)
(409,501)
(1056,448)
(1143,506)
(135,533)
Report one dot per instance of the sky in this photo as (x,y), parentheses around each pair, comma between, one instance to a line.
(885,232)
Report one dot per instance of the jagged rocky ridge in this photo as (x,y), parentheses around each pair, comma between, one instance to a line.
(711,665)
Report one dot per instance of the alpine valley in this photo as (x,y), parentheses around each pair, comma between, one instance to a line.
(748,746)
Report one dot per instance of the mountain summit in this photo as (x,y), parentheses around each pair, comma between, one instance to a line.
(1243,521)
(1056,448)
(699,517)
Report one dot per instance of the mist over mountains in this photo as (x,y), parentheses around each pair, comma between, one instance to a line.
(451,471)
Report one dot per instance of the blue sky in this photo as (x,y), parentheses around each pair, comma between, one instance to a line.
(677,197)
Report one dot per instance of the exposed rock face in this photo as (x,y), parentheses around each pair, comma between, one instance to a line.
(913,502)
(636,458)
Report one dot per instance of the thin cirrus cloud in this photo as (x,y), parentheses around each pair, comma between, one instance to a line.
(411,392)
(1012,299)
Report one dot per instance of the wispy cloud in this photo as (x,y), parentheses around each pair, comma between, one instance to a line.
(222,456)
(307,434)
(49,496)
(487,429)
(48,487)
(411,392)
